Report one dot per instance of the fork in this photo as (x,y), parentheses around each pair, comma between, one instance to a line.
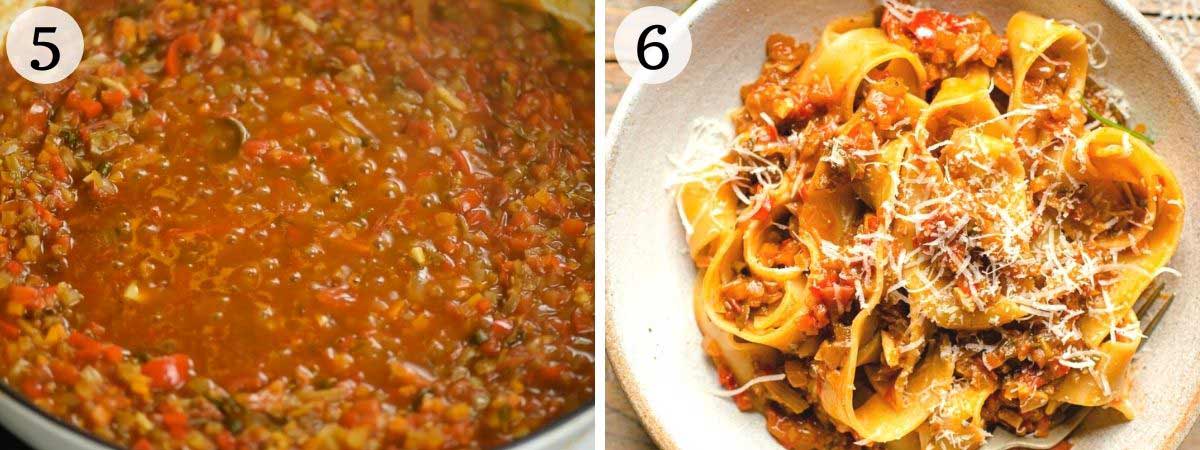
(1003,440)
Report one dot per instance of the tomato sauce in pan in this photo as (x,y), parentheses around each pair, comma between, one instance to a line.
(257,224)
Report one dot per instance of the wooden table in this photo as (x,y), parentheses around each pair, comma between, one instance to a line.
(622,429)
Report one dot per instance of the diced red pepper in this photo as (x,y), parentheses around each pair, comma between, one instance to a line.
(927,22)
(168,372)
(88,107)
(189,43)
(764,211)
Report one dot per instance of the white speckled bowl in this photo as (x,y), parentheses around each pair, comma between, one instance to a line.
(652,339)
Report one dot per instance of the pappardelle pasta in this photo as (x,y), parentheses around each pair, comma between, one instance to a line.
(918,230)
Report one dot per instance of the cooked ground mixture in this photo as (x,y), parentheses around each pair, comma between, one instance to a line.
(302,223)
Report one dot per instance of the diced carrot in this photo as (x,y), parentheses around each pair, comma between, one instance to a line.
(9,330)
(285,158)
(583,321)
(482,307)
(101,416)
(523,219)
(47,216)
(464,165)
(57,167)
(521,241)
(476,217)
(32,388)
(254,148)
(176,423)
(81,341)
(573,227)
(29,298)
(112,98)
(490,347)
(226,441)
(112,353)
(469,199)
(64,373)
(551,372)
(419,80)
(501,328)
(37,116)
(363,412)
(335,296)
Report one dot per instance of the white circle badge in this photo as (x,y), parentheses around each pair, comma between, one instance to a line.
(652,42)
(44,45)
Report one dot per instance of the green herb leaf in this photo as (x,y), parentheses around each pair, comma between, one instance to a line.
(1110,123)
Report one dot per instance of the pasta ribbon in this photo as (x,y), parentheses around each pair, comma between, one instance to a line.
(1031,38)
(1108,385)
(849,50)
(774,325)
(881,418)
(961,103)
(709,208)
(932,280)
(1137,203)
(744,359)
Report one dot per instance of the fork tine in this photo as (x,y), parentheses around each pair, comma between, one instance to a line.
(1159,315)
(1146,300)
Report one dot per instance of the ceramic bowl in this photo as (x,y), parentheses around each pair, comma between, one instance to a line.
(652,339)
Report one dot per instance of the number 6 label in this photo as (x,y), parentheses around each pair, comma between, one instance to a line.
(652,43)
(44,45)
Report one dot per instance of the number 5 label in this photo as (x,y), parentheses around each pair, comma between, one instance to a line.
(44,45)
(652,43)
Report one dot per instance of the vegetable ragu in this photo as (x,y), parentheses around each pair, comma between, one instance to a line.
(278,223)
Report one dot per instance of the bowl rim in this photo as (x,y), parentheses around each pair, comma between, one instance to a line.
(616,355)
